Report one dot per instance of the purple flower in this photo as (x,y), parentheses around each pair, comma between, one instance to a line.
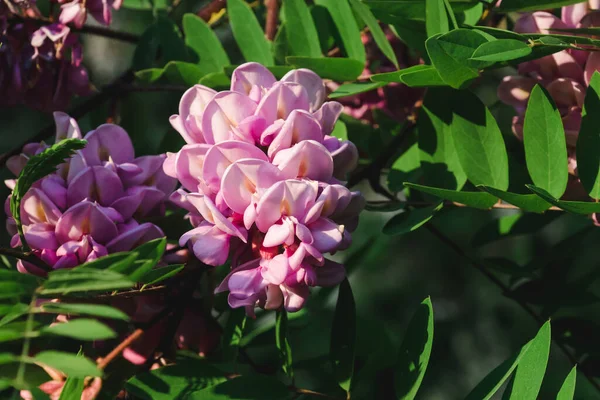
(260,177)
(95,202)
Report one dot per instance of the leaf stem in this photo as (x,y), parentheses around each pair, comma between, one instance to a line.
(26,342)
(25,256)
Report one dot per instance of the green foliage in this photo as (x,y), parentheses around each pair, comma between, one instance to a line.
(248,33)
(38,167)
(588,160)
(410,220)
(300,30)
(282,343)
(567,390)
(344,20)
(415,352)
(343,337)
(436,20)
(342,69)
(72,365)
(545,145)
(205,44)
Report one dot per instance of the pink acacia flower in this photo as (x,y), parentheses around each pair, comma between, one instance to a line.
(260,178)
(40,67)
(94,204)
(565,74)
(76,11)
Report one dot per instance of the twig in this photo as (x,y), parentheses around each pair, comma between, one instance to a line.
(103,362)
(87,29)
(480,267)
(313,393)
(26,343)
(271,23)
(213,7)
(29,257)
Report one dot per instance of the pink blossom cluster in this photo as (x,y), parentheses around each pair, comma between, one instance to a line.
(40,67)
(261,181)
(565,74)
(76,11)
(93,204)
(395,99)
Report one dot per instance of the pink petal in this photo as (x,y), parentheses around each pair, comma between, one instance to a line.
(276,269)
(251,74)
(106,141)
(330,274)
(299,126)
(281,100)
(134,238)
(307,159)
(66,127)
(328,114)
(223,114)
(312,83)
(327,235)
(95,183)
(222,155)
(244,178)
(85,218)
(279,234)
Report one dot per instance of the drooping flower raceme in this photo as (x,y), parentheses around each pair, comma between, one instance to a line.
(565,74)
(93,204)
(260,177)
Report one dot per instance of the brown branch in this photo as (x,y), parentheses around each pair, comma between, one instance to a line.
(213,7)
(313,393)
(103,362)
(481,268)
(28,256)
(87,29)
(271,23)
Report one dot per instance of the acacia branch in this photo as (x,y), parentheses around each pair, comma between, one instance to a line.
(271,23)
(213,7)
(28,257)
(87,29)
(481,268)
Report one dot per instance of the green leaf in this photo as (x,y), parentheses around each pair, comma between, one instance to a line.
(449,54)
(146,4)
(80,328)
(282,343)
(501,50)
(216,80)
(567,390)
(172,46)
(545,144)
(575,207)
(413,9)
(160,274)
(588,159)
(351,89)
(423,77)
(149,254)
(233,332)
(84,279)
(414,352)
(73,389)
(344,20)
(533,5)
(472,199)
(343,337)
(495,379)
(16,312)
(96,310)
(300,29)
(72,365)
(244,387)
(436,20)
(364,13)
(526,202)
(530,371)
(478,141)
(39,166)
(439,160)
(248,33)
(203,41)
(340,69)
(396,76)
(116,261)
(175,381)
(150,75)
(406,168)
(410,220)
(180,72)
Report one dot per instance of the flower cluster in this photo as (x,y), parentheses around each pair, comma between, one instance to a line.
(565,74)
(261,178)
(76,11)
(40,67)
(396,100)
(91,206)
